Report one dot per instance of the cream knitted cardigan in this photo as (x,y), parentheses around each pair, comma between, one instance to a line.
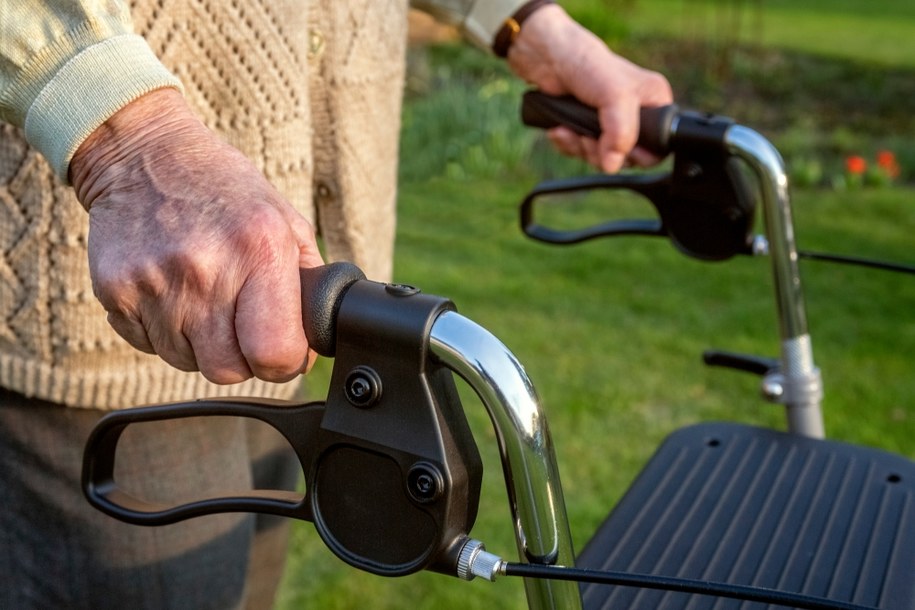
(308,89)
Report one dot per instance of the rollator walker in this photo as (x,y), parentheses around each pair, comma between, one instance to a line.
(724,515)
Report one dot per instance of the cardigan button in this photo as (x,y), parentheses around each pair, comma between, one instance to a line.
(324,191)
(316,44)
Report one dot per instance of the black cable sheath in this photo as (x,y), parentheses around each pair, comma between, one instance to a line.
(679,585)
(853,260)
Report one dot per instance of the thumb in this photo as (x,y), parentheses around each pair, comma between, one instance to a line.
(304,234)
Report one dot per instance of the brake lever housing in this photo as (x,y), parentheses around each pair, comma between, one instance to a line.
(395,482)
(705,205)
(709,208)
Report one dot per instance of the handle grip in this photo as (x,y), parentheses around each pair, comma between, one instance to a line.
(547,111)
(323,289)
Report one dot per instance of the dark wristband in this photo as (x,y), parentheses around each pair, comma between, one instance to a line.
(512,26)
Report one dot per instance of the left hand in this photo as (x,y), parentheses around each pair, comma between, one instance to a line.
(561,57)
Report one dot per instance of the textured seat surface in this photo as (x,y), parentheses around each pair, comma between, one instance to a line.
(751,506)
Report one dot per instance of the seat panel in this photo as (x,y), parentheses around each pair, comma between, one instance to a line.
(752,506)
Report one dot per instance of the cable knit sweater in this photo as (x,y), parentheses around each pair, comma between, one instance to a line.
(308,89)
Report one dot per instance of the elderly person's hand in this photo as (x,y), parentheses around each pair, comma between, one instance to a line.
(192,252)
(561,57)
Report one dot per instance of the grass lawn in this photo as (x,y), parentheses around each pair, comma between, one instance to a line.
(881,30)
(611,332)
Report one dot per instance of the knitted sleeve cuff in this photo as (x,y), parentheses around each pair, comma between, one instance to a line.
(89,88)
(486,18)
(478,20)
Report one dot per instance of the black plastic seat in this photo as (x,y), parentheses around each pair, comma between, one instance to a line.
(752,506)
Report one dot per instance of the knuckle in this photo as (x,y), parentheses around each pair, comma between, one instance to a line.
(225,376)
(113,291)
(274,365)
(658,83)
(120,288)
(177,360)
(266,236)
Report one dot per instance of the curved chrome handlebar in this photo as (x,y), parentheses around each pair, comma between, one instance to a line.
(528,460)
(799,379)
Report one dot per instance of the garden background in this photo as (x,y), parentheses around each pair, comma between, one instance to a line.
(612,331)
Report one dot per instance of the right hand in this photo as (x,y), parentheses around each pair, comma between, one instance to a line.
(192,253)
(561,57)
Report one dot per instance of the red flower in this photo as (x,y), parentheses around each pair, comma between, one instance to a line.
(855,165)
(886,160)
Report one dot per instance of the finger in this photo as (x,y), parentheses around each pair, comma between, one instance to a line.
(620,128)
(566,141)
(170,344)
(591,151)
(312,359)
(131,330)
(216,348)
(304,233)
(641,157)
(309,257)
(268,321)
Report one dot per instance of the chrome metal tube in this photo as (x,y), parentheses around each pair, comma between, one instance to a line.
(769,167)
(528,460)
(804,413)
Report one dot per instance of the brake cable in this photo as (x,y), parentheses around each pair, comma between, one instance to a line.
(679,585)
(476,561)
(854,260)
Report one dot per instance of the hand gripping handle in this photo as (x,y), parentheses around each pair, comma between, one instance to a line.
(323,289)
(547,111)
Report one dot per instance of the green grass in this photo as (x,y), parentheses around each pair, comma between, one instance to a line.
(611,332)
(878,32)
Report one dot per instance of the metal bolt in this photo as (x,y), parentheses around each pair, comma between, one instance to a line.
(425,485)
(773,388)
(424,482)
(401,290)
(362,387)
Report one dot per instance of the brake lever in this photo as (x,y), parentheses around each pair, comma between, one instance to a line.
(654,188)
(298,424)
(392,473)
(705,205)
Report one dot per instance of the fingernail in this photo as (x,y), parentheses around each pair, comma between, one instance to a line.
(613,162)
(310,360)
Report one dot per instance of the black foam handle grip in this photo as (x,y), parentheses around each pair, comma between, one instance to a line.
(323,289)
(547,111)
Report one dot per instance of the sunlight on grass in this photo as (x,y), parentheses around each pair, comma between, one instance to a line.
(882,30)
(612,331)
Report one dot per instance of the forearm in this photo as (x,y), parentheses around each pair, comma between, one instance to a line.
(65,67)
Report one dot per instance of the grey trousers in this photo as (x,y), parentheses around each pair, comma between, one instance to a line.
(56,551)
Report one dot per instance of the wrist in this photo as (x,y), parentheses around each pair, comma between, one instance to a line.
(547,49)
(140,125)
(511,27)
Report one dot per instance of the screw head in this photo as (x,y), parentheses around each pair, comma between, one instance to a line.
(362,387)
(424,482)
(401,290)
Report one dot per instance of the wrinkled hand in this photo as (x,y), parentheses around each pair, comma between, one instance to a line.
(192,253)
(561,57)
